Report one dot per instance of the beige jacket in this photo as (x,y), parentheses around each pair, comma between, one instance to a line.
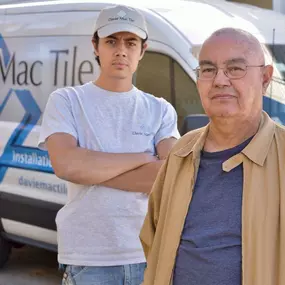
(263,209)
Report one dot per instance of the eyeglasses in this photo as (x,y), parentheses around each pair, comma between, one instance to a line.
(232,71)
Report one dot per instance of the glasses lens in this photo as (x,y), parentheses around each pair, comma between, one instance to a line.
(207,72)
(236,70)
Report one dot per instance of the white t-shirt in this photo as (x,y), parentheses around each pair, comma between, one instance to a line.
(100,226)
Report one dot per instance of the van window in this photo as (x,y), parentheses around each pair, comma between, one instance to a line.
(187,99)
(278,53)
(153,75)
(161,76)
(275,99)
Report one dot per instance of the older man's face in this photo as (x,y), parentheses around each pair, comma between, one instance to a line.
(222,96)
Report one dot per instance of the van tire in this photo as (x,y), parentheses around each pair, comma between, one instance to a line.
(5,250)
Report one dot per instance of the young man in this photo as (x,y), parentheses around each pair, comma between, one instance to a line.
(109,140)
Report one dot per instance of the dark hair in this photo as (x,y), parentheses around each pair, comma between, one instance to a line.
(96,41)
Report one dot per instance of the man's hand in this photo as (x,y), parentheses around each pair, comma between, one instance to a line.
(142,178)
(137,180)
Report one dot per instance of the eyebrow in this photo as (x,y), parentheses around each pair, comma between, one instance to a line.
(204,62)
(127,39)
(237,60)
(232,60)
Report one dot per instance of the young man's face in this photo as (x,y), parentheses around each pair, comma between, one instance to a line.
(119,54)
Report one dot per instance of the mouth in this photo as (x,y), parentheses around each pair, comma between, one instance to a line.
(119,64)
(223,96)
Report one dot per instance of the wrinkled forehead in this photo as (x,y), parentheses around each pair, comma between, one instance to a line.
(224,48)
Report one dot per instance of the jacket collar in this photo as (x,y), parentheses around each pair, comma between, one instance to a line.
(257,150)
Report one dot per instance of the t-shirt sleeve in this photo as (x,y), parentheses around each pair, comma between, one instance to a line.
(168,126)
(57,118)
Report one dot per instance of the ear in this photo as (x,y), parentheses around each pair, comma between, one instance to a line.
(95,46)
(143,50)
(267,77)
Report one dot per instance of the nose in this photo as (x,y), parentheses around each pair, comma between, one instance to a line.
(121,50)
(221,79)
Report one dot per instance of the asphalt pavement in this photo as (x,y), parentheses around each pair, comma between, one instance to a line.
(31,266)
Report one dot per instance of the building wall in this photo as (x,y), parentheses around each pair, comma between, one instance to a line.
(276,5)
(279,5)
(268,4)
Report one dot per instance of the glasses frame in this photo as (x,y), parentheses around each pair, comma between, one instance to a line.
(197,69)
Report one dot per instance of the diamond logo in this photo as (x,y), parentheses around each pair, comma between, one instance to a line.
(122,14)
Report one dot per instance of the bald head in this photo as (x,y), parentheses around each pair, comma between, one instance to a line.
(251,45)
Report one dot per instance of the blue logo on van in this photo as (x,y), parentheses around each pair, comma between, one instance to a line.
(5,51)
(15,154)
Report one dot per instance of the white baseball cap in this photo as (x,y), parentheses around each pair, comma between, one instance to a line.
(120,18)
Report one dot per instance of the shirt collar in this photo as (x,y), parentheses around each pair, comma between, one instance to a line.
(257,150)
(195,145)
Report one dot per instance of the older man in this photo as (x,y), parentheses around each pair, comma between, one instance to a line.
(217,210)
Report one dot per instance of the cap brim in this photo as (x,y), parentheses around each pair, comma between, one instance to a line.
(117,28)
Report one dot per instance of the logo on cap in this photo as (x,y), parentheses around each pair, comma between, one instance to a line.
(122,14)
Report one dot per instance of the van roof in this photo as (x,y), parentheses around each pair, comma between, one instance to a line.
(185,15)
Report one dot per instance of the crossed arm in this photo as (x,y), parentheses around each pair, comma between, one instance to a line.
(134,172)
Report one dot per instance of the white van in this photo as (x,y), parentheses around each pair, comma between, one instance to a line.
(45,46)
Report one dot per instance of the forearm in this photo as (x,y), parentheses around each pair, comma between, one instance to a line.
(87,167)
(138,180)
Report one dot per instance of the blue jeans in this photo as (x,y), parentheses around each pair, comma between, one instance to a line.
(106,275)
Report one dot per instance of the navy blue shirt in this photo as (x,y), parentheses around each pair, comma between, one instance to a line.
(210,248)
